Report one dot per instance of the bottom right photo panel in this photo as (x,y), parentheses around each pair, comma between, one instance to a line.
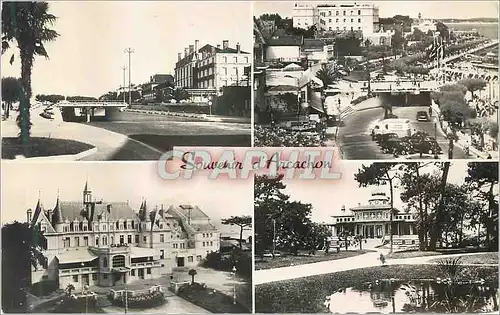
(385,238)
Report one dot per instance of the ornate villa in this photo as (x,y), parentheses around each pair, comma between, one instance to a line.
(372,221)
(92,242)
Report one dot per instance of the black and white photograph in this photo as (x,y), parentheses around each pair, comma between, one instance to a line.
(378,80)
(116,238)
(412,237)
(124,80)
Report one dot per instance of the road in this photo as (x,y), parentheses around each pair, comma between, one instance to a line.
(174,305)
(355,140)
(163,132)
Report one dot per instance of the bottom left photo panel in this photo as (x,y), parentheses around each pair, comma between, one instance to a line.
(117,238)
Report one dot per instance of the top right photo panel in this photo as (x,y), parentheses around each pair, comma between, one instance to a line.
(380,80)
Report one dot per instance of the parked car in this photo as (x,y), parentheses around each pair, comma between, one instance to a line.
(46,115)
(389,142)
(422,116)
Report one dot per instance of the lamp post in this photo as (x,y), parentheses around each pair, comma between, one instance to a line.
(210,105)
(234,284)
(274,236)
(129,51)
(123,89)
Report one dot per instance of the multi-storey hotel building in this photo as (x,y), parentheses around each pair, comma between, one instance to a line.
(212,67)
(337,17)
(93,242)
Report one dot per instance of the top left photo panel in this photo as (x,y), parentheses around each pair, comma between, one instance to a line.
(109,81)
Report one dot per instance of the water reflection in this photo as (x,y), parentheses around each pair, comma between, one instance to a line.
(414,296)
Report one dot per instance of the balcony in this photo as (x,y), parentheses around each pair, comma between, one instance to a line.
(77,271)
(145,264)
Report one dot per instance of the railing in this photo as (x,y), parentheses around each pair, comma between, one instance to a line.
(145,264)
(79,270)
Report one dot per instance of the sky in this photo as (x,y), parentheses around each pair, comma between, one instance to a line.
(429,9)
(117,182)
(88,56)
(328,196)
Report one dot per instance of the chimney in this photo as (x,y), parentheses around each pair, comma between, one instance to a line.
(179,56)
(196,42)
(218,46)
(28,215)
(238,47)
(191,49)
(225,44)
(343,208)
(359,203)
(185,52)
(189,216)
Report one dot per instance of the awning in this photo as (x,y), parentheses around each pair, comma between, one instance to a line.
(75,256)
(137,252)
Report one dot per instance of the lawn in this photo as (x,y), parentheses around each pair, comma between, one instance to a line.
(302,259)
(39,147)
(477,259)
(411,254)
(307,295)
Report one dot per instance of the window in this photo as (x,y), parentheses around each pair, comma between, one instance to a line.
(246,59)
(133,224)
(145,238)
(190,259)
(119,261)
(162,238)
(162,254)
(203,244)
(235,59)
(224,70)
(104,240)
(345,20)
(105,262)
(77,241)
(122,239)
(75,278)
(225,59)
(174,245)
(336,20)
(132,272)
(111,227)
(352,20)
(344,13)
(329,20)
(336,12)
(210,234)
(65,229)
(148,271)
(161,226)
(329,12)
(359,20)
(96,241)
(112,240)
(211,243)
(351,12)
(105,276)
(94,277)
(359,12)
(129,239)
(85,241)
(137,238)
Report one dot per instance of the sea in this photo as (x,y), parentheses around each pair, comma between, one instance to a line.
(489,30)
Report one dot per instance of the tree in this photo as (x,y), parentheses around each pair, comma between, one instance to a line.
(22,247)
(317,237)
(241,221)
(483,178)
(473,84)
(443,30)
(27,23)
(192,273)
(180,94)
(379,174)
(436,229)
(397,42)
(11,92)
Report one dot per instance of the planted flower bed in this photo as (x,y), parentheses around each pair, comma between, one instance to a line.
(147,300)
(212,300)
(279,137)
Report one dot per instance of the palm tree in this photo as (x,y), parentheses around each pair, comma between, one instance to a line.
(27,23)
(11,91)
(192,273)
(327,74)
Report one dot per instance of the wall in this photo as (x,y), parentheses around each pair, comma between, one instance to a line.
(285,53)
(230,69)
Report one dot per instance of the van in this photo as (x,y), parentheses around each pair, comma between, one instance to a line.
(399,126)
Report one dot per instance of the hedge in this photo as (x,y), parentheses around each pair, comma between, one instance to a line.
(212,300)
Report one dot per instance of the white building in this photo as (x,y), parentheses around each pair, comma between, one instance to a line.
(284,48)
(92,242)
(337,17)
(426,26)
(212,67)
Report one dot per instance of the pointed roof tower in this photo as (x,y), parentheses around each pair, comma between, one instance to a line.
(38,209)
(56,213)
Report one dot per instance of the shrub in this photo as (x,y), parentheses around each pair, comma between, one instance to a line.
(147,300)
(240,259)
(212,300)
(279,137)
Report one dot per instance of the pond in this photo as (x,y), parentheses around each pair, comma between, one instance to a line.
(392,296)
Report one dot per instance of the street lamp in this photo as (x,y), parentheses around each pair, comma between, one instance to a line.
(298,95)
(234,282)
(274,236)
(210,105)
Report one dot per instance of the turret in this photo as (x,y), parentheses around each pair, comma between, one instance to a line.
(29,216)
(87,194)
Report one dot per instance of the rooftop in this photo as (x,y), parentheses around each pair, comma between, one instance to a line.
(285,40)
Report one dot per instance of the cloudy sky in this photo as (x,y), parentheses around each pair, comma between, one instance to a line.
(117,182)
(88,57)
(428,9)
(328,196)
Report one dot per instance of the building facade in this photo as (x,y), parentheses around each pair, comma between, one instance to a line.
(92,242)
(372,220)
(337,17)
(212,67)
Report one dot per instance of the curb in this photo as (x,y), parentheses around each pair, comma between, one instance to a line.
(67,157)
